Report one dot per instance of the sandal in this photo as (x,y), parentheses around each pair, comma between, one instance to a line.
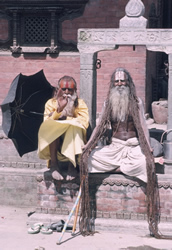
(46,230)
(34,229)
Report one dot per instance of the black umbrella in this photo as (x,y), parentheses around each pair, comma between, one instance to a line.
(23,108)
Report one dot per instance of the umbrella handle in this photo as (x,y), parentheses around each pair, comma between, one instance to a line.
(69,217)
(76,216)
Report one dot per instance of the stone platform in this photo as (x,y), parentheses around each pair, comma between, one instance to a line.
(112,196)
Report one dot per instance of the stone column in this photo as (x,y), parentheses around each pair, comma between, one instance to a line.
(88,79)
(168,146)
(169,124)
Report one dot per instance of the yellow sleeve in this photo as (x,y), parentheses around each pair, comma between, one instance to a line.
(50,112)
(81,113)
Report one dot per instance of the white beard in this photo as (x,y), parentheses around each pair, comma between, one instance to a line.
(119,99)
(70,108)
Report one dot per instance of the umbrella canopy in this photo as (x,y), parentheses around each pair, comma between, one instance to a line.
(23,108)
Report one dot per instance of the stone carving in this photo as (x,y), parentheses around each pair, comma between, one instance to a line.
(99,36)
(86,87)
(111,36)
(166,49)
(122,181)
(139,36)
(33,49)
(125,36)
(86,48)
(100,40)
(153,36)
(92,48)
(16,49)
(84,35)
(53,50)
(86,76)
(166,35)
(133,22)
(134,15)
(50,50)
(135,8)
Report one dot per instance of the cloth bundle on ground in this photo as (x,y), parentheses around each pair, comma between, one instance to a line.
(49,229)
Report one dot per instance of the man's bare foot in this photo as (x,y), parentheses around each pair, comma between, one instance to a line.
(54,168)
(71,173)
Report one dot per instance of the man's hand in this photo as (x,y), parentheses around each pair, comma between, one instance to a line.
(62,101)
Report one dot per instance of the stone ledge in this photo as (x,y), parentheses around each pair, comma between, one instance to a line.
(111,196)
(17,171)
(50,212)
(21,165)
(53,197)
(164,180)
(18,187)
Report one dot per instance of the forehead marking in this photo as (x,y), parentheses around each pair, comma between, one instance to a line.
(67,84)
(120,75)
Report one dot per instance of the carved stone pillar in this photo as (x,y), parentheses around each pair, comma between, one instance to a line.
(168,143)
(169,124)
(88,80)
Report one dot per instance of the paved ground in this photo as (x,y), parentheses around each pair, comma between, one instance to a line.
(117,234)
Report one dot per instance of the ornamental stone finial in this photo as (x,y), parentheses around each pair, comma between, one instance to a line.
(134,11)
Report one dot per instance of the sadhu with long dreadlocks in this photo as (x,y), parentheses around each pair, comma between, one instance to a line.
(129,150)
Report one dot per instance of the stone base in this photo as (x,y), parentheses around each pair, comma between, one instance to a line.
(111,196)
(18,187)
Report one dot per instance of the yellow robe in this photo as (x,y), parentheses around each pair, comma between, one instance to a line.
(73,131)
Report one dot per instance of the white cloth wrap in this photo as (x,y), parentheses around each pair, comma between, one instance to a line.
(124,154)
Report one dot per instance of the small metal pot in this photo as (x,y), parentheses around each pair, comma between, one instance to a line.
(167,148)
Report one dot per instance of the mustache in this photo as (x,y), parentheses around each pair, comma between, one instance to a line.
(121,87)
(67,95)
(70,97)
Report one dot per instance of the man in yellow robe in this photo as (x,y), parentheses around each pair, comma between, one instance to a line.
(63,133)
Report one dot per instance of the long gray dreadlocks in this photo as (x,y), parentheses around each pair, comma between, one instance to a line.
(152,192)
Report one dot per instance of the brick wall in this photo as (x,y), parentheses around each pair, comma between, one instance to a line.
(133,60)
(28,65)
(111,196)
